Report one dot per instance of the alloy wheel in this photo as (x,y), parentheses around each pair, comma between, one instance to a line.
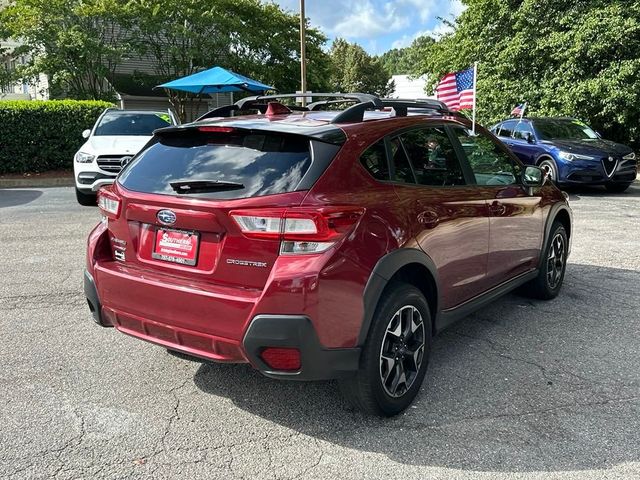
(548,169)
(402,351)
(555,261)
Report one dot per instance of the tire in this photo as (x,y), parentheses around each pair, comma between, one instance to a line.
(550,169)
(616,187)
(548,283)
(86,199)
(400,304)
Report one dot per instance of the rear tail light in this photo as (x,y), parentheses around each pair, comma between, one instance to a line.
(282,358)
(109,203)
(300,230)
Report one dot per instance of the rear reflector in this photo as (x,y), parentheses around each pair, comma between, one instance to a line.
(108,202)
(283,359)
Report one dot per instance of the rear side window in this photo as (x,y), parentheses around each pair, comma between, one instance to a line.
(232,165)
(374,160)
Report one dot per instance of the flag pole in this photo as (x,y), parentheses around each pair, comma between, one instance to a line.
(475,94)
(524,107)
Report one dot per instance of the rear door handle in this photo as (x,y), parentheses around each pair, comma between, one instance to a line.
(496,209)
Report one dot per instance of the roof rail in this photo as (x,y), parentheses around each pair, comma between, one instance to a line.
(315,106)
(224,111)
(401,105)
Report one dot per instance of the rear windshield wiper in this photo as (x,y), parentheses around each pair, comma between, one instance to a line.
(199,186)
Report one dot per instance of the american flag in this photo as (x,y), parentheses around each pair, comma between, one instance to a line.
(456,90)
(519,109)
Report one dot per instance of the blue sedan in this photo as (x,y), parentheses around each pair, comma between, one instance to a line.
(569,151)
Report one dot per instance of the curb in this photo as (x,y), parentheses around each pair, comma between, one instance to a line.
(45,182)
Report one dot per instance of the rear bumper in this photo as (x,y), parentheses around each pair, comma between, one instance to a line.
(292,331)
(154,322)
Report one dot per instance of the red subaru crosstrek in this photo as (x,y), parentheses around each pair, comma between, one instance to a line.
(322,244)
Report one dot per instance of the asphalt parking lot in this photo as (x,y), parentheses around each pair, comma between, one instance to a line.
(521,389)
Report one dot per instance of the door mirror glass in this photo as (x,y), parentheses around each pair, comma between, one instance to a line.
(528,136)
(533,176)
(86,133)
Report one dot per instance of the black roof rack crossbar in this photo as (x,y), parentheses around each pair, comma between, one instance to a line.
(249,102)
(224,111)
(355,113)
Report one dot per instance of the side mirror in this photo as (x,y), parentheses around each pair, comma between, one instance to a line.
(533,177)
(528,136)
(86,133)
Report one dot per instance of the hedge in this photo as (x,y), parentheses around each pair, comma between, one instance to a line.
(37,136)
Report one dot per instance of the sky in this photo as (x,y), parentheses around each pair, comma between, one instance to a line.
(377,25)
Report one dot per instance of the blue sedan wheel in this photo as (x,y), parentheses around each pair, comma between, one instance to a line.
(549,169)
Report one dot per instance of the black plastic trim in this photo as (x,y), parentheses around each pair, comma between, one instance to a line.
(551,217)
(448,317)
(322,154)
(355,113)
(383,271)
(91,293)
(296,331)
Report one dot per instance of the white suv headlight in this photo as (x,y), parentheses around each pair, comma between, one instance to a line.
(629,156)
(574,156)
(82,157)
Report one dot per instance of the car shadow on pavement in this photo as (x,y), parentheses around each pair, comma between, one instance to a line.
(519,386)
(13,198)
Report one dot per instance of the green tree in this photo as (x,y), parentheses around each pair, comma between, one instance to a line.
(576,57)
(403,61)
(354,70)
(258,40)
(78,43)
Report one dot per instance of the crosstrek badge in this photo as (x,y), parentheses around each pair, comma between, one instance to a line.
(176,246)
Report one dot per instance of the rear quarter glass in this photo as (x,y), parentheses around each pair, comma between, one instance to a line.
(264,163)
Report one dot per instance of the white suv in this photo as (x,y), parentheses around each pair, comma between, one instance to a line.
(115,138)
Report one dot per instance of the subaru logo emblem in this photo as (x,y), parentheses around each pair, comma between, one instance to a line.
(125,160)
(166,217)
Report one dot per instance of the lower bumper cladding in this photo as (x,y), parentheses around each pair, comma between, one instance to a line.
(268,333)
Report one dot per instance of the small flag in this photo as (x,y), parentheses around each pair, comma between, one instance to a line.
(518,111)
(456,90)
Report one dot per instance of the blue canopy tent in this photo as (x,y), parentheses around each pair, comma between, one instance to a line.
(215,80)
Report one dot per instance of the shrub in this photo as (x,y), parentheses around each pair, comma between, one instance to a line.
(36,136)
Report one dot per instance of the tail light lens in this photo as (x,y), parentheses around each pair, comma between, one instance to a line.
(109,203)
(300,230)
(282,358)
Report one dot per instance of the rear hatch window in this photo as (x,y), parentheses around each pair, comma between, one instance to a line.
(226,164)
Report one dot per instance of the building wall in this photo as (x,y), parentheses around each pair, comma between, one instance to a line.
(37,89)
(405,87)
